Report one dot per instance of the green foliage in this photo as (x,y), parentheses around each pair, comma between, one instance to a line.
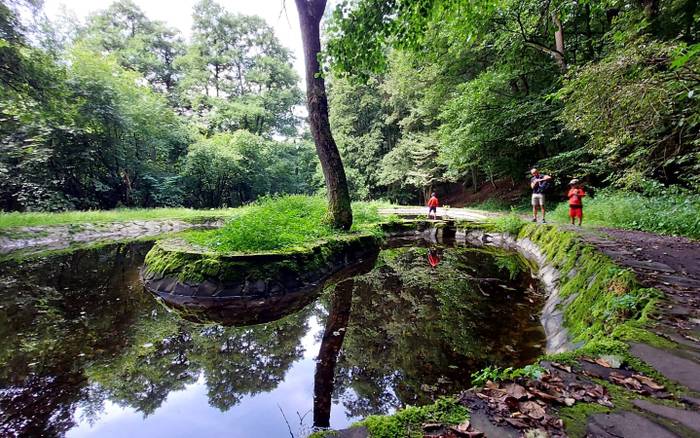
(284,222)
(233,169)
(103,117)
(640,116)
(485,84)
(511,224)
(664,212)
(496,374)
(408,421)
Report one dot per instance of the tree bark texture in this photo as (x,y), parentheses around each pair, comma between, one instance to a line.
(559,42)
(310,13)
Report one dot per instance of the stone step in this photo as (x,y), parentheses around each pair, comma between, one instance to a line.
(675,368)
(687,418)
(625,424)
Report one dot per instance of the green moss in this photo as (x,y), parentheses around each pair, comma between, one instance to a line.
(607,296)
(575,417)
(408,421)
(192,264)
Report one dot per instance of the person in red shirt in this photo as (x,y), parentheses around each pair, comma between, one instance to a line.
(433,205)
(576,195)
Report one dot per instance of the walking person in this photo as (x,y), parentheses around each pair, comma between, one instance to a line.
(539,184)
(576,194)
(433,205)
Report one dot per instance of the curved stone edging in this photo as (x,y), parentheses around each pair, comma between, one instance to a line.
(250,288)
(552,317)
(247,287)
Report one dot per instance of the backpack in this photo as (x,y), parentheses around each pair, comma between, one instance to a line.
(546,186)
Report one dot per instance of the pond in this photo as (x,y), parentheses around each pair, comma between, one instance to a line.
(87,352)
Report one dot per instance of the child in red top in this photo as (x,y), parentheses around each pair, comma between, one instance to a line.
(432,206)
(576,195)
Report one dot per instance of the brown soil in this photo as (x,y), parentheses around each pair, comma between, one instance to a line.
(505,190)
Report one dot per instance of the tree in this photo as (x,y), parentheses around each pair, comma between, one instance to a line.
(147,46)
(339,208)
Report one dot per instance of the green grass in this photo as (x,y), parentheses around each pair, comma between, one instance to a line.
(667,213)
(511,223)
(33,219)
(285,222)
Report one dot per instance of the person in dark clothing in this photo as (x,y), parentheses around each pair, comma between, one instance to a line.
(538,183)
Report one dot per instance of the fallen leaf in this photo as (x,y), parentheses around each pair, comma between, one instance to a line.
(516,391)
(602,362)
(543,395)
(648,382)
(462,427)
(516,423)
(614,360)
(566,368)
(532,410)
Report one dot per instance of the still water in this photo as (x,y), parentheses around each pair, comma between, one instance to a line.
(85,351)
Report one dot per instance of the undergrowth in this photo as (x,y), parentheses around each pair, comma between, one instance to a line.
(501,205)
(666,213)
(496,374)
(511,224)
(408,421)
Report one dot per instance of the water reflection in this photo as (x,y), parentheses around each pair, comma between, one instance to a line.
(85,350)
(417,331)
(79,331)
(433,257)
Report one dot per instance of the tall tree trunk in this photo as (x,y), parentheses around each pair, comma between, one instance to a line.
(310,13)
(559,42)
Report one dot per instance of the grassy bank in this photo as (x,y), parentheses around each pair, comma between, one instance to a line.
(33,219)
(667,213)
(282,223)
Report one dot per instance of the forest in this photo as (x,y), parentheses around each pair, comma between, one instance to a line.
(423,95)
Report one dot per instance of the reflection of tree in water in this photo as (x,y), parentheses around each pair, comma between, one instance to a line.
(78,330)
(166,354)
(417,331)
(57,315)
(249,360)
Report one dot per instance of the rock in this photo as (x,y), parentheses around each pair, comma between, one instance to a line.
(678,369)
(625,424)
(687,418)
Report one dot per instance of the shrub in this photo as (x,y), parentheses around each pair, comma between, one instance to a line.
(511,223)
(667,212)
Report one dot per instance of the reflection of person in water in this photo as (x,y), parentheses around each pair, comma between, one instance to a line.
(433,257)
